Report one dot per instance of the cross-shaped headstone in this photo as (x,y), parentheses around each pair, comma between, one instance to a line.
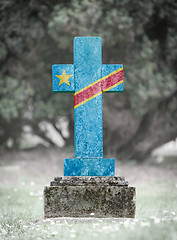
(88,78)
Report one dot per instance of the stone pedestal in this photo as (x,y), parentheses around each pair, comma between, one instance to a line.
(89,197)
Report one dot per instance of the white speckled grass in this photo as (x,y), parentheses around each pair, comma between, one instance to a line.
(21,216)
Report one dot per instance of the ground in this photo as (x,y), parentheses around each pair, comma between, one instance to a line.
(24,174)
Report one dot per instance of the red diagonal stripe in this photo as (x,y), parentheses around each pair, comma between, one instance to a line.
(98,87)
(87,93)
(112,80)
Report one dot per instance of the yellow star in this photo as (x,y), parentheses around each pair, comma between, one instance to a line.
(64,78)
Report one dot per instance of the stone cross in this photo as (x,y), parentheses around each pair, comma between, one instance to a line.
(88,78)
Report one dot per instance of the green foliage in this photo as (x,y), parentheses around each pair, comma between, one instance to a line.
(15,95)
(36,34)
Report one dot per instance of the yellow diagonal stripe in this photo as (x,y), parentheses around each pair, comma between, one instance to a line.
(107,89)
(116,71)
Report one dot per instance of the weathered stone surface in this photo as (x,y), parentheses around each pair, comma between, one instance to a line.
(89,197)
(84,181)
(89,167)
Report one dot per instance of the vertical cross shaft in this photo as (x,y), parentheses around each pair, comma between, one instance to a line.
(88,116)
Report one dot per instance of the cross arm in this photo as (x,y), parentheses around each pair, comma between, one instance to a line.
(63,78)
(112,77)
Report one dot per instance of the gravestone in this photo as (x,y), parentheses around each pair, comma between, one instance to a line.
(89,187)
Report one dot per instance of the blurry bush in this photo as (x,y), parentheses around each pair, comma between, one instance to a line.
(139,34)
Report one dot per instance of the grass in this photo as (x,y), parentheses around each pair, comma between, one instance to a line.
(21,216)
(21,202)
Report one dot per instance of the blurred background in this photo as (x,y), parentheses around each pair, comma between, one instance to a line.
(141,35)
(37,126)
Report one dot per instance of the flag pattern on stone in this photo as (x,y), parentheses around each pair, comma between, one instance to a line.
(63,77)
(104,84)
(88,78)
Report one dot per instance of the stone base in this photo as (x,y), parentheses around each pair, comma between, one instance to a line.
(106,197)
(89,167)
